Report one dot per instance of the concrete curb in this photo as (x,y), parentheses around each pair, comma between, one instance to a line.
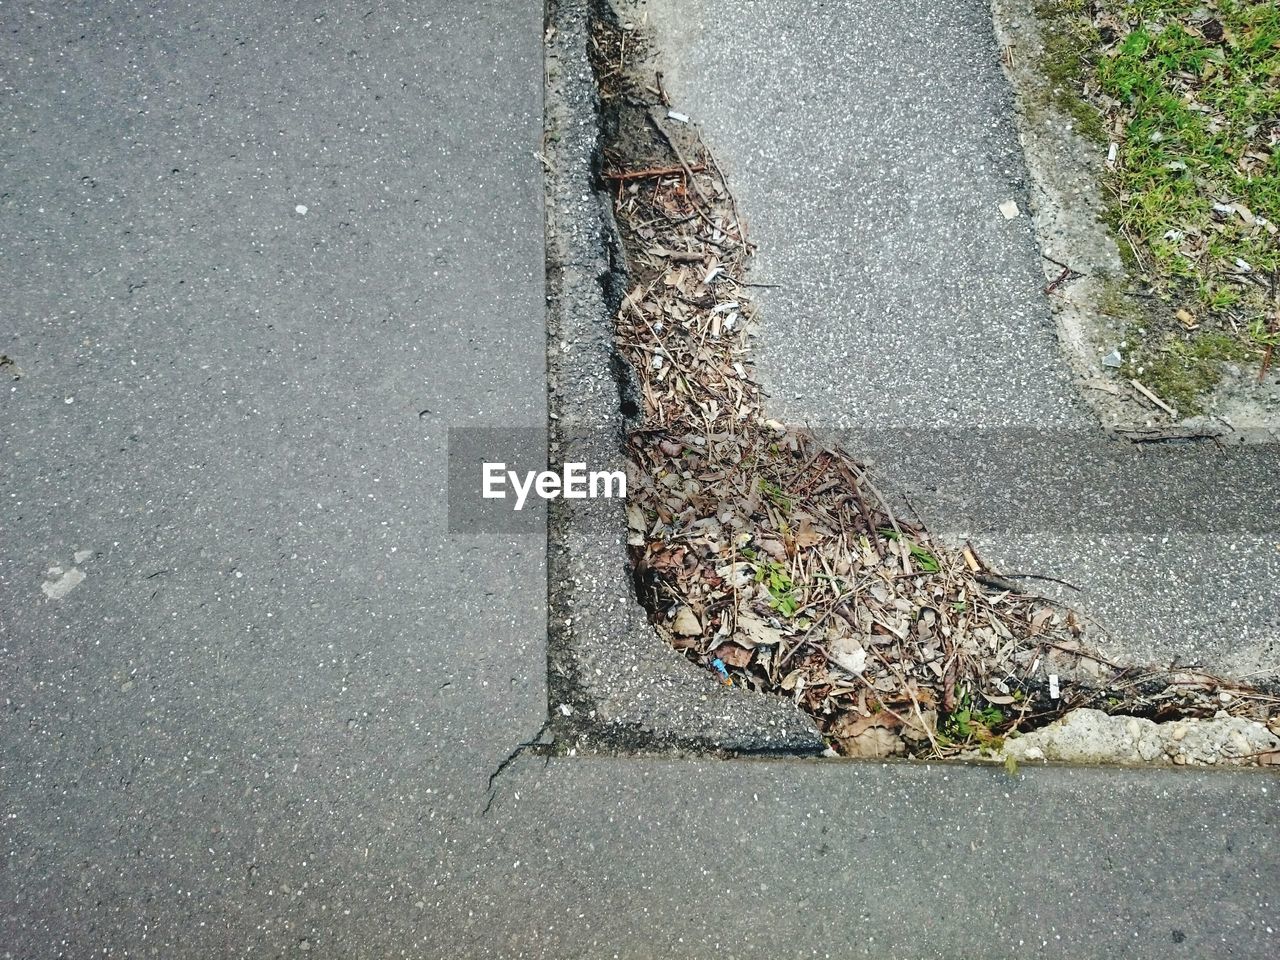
(613,684)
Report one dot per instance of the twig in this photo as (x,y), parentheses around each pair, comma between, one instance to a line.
(662,91)
(996,582)
(1042,576)
(1137,385)
(653,172)
(733,202)
(1066,276)
(675,148)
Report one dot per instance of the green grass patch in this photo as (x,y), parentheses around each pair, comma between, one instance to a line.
(971,724)
(1182,368)
(1189,90)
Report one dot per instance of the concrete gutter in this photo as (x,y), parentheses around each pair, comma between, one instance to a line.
(613,684)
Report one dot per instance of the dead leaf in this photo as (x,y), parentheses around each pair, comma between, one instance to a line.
(732,654)
(635,517)
(686,623)
(871,736)
(807,536)
(754,632)
(773,548)
(1038,620)
(793,678)
(923,727)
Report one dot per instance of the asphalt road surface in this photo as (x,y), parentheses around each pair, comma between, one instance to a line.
(256,262)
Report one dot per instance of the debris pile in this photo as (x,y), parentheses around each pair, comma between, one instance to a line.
(771,558)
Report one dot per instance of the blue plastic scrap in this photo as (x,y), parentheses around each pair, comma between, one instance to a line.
(718,666)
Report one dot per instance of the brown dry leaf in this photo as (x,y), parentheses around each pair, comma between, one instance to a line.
(732,654)
(662,559)
(872,736)
(925,697)
(807,536)
(635,517)
(1245,213)
(686,623)
(1039,619)
(791,679)
(754,632)
(923,727)
(773,548)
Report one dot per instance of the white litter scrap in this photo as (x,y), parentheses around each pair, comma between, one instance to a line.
(677,117)
(849,655)
(1054,692)
(1111,153)
(1010,209)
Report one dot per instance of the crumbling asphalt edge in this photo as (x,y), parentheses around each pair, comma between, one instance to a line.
(613,685)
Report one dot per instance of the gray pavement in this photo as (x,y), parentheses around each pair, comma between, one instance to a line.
(257,260)
(871,146)
(265,721)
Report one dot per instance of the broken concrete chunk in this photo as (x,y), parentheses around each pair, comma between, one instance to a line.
(1092,736)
